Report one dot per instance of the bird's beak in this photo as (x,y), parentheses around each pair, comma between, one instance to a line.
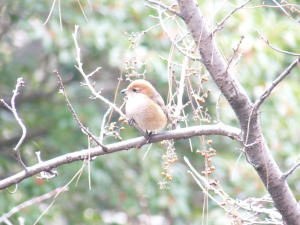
(124,92)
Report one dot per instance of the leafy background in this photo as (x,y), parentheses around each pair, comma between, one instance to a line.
(124,186)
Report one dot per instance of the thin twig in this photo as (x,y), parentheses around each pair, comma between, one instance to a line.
(64,187)
(173,41)
(276,49)
(50,13)
(50,174)
(59,12)
(255,206)
(86,77)
(234,52)
(30,202)
(258,102)
(267,92)
(245,143)
(218,108)
(6,105)
(169,8)
(119,81)
(220,25)
(174,63)
(285,175)
(103,125)
(12,192)
(13,109)
(82,10)
(181,86)
(90,86)
(83,128)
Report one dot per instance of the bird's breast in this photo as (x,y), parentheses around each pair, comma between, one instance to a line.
(146,113)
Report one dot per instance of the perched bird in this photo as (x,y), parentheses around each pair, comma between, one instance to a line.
(145,106)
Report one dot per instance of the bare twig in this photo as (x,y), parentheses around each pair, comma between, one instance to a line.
(30,202)
(90,86)
(285,175)
(59,191)
(274,84)
(86,77)
(82,11)
(173,41)
(218,108)
(50,13)
(263,98)
(83,128)
(285,12)
(276,49)
(234,206)
(181,86)
(13,109)
(12,192)
(50,174)
(234,52)
(175,63)
(103,125)
(6,105)
(220,25)
(230,61)
(59,15)
(246,141)
(169,8)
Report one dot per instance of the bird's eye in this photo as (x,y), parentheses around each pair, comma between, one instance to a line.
(134,90)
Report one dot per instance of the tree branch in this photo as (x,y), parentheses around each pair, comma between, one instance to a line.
(220,25)
(240,102)
(285,175)
(274,48)
(169,8)
(13,109)
(266,94)
(29,203)
(183,133)
(83,128)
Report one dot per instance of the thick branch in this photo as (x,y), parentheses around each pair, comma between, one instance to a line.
(218,129)
(258,153)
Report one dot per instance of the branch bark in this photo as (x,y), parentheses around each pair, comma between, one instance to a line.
(258,154)
(184,133)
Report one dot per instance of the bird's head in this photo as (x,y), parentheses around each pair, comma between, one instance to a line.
(140,87)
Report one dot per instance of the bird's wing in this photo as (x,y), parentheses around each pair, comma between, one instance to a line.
(159,101)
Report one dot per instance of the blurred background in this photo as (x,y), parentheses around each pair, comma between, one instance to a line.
(125,187)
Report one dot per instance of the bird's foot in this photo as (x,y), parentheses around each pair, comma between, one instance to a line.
(149,134)
(130,121)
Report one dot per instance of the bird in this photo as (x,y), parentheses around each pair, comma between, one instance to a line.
(145,106)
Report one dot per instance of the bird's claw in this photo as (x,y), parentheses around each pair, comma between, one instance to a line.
(130,121)
(149,134)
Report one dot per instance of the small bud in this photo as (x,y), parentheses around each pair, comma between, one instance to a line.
(209,142)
